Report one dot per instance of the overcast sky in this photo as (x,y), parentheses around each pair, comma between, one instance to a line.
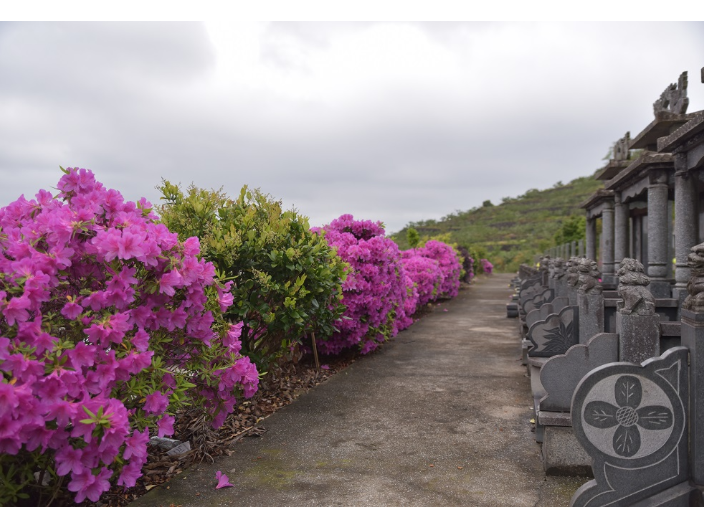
(387,121)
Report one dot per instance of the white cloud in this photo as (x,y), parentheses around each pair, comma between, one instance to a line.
(395,122)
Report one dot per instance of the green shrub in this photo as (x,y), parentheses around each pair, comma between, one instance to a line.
(287,279)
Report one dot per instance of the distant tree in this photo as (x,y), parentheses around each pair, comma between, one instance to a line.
(572,230)
(487,203)
(413,237)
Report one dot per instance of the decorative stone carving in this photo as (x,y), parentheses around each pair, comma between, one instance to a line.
(622,148)
(588,277)
(674,99)
(545,263)
(557,271)
(695,288)
(631,420)
(556,334)
(632,287)
(572,272)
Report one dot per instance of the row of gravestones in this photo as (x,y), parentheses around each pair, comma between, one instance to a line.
(618,386)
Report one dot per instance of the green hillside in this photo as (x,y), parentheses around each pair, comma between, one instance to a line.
(514,231)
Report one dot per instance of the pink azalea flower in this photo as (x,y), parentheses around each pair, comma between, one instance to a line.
(223,480)
(156,403)
(71,310)
(166,425)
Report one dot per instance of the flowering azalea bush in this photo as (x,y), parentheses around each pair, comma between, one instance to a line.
(467,264)
(487,266)
(108,326)
(449,263)
(376,291)
(426,275)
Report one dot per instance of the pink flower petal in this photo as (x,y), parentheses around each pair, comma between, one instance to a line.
(223,481)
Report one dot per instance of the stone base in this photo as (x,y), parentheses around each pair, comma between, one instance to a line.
(563,454)
(639,337)
(682,495)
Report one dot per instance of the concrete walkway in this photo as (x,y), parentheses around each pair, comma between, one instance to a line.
(440,416)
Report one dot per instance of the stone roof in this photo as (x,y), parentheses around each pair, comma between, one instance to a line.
(663,124)
(692,127)
(647,160)
(596,198)
(612,169)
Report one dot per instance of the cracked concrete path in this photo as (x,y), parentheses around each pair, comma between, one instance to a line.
(439,416)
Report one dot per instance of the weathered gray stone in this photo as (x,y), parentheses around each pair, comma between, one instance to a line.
(540,314)
(563,454)
(657,234)
(686,232)
(591,238)
(607,243)
(639,337)
(631,421)
(674,99)
(620,230)
(541,298)
(591,316)
(562,373)
(693,339)
(556,334)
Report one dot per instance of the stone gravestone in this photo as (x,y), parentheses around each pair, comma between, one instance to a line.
(631,420)
(540,299)
(555,334)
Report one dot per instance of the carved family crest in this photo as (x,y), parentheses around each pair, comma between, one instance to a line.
(589,277)
(674,99)
(633,289)
(695,288)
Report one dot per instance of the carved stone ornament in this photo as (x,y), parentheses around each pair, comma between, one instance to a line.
(621,148)
(557,271)
(589,277)
(633,289)
(545,263)
(572,272)
(695,288)
(674,99)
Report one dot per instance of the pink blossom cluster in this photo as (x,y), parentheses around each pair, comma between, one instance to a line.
(109,324)
(376,292)
(426,275)
(449,265)
(488,266)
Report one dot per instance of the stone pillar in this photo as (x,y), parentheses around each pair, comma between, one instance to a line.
(591,239)
(590,299)
(686,223)
(693,339)
(692,317)
(607,237)
(637,323)
(638,238)
(620,231)
(580,248)
(573,249)
(658,238)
